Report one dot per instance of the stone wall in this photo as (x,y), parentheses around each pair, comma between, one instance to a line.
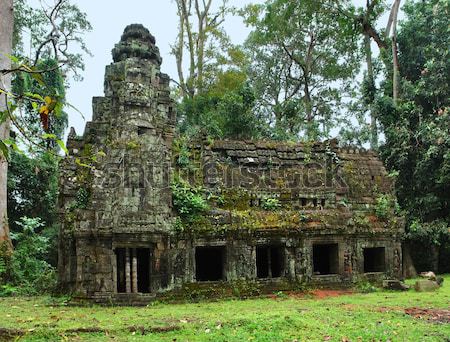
(318,187)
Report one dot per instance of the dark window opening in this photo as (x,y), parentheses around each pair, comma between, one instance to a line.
(143,270)
(171,114)
(209,263)
(121,282)
(315,202)
(374,259)
(304,202)
(322,203)
(373,178)
(143,130)
(254,202)
(325,259)
(269,262)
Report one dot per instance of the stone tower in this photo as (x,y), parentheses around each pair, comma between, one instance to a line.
(114,187)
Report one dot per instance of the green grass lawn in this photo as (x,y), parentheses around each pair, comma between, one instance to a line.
(378,316)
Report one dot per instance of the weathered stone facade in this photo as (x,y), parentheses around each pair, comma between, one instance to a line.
(296,212)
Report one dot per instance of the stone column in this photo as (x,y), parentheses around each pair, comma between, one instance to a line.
(269,262)
(114,269)
(290,260)
(127,271)
(253,262)
(134,277)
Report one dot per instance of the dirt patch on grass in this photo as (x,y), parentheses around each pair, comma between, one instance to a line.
(431,315)
(314,294)
(85,330)
(321,294)
(348,307)
(385,309)
(7,334)
(148,330)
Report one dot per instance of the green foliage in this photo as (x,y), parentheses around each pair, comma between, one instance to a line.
(203,50)
(82,198)
(31,22)
(303,57)
(228,115)
(5,259)
(360,220)
(435,232)
(28,271)
(32,188)
(366,287)
(227,82)
(181,152)
(245,289)
(386,206)
(187,200)
(7,290)
(281,295)
(417,130)
(268,203)
(236,111)
(50,84)
(198,115)
(40,74)
(178,225)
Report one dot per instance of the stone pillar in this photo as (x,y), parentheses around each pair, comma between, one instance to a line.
(290,260)
(134,277)
(269,262)
(114,269)
(127,271)
(253,262)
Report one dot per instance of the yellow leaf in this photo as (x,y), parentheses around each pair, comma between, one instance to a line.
(48,100)
(44,110)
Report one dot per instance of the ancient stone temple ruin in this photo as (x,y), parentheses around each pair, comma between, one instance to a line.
(143,212)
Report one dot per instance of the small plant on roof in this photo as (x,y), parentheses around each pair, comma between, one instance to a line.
(269,203)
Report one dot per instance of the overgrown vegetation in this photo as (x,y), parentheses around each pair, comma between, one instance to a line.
(417,129)
(190,203)
(35,64)
(27,271)
(386,206)
(268,203)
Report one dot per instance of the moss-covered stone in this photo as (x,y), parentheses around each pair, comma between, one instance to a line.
(133,194)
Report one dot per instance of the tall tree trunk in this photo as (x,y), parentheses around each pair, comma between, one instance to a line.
(395,65)
(409,271)
(185,7)
(434,251)
(200,44)
(371,89)
(307,101)
(395,71)
(178,51)
(6,33)
(200,59)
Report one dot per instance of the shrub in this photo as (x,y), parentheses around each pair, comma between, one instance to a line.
(188,201)
(386,206)
(28,272)
(366,287)
(268,203)
(433,232)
